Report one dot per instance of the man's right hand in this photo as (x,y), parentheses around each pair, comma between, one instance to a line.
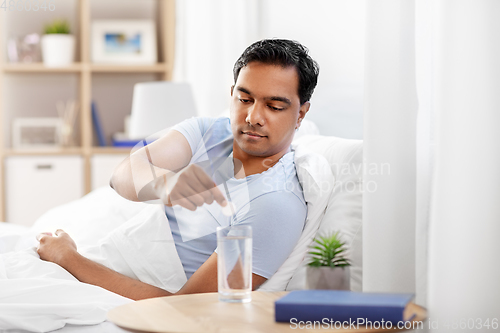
(190,188)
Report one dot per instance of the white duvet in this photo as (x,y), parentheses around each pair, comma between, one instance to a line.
(131,238)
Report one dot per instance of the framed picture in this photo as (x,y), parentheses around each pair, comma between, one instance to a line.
(29,133)
(124,42)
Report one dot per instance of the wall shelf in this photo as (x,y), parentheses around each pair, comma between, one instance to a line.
(79,67)
(92,81)
(35,152)
(40,68)
(109,150)
(157,68)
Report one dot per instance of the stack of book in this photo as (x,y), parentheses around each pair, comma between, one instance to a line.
(120,139)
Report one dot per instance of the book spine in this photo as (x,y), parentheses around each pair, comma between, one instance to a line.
(97,124)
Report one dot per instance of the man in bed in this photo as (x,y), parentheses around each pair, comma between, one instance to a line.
(274,80)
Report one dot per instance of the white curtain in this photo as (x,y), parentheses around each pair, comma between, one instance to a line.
(227,26)
(465,222)
(432,108)
(389,200)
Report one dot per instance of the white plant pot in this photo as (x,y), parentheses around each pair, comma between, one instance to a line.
(58,50)
(337,278)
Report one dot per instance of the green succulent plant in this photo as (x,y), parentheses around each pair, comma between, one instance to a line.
(57,27)
(328,251)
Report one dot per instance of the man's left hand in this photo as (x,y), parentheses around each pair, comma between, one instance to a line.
(56,248)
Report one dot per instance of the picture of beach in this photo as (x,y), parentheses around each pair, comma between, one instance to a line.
(122,43)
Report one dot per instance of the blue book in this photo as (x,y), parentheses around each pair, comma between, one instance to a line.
(97,124)
(340,305)
(122,140)
(125,143)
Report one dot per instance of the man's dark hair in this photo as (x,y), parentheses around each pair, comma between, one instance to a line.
(283,52)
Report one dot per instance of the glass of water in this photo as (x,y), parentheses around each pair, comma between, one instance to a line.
(234,263)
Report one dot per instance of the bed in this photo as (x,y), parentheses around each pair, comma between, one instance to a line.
(40,296)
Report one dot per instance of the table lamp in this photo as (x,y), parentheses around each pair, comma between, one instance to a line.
(159,105)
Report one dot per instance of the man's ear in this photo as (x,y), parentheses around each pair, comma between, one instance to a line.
(232,88)
(304,108)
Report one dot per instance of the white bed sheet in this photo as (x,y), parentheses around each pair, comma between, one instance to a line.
(40,296)
(104,327)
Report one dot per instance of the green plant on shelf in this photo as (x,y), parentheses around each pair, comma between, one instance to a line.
(57,27)
(328,251)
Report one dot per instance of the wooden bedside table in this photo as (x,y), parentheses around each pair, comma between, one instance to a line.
(204,313)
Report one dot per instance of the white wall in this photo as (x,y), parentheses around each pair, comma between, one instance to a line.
(333,30)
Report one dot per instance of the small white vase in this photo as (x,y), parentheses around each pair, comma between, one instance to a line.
(58,50)
(337,278)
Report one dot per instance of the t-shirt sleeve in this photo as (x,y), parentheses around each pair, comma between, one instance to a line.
(193,130)
(277,220)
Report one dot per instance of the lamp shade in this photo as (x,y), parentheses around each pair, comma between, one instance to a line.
(157,106)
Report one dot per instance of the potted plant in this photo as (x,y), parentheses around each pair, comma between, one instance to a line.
(328,267)
(58,46)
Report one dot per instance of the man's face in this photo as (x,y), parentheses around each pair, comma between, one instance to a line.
(265,109)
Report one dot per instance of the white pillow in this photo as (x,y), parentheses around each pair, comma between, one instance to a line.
(89,218)
(307,127)
(316,179)
(344,211)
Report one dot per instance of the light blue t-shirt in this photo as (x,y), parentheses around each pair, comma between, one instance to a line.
(271,202)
